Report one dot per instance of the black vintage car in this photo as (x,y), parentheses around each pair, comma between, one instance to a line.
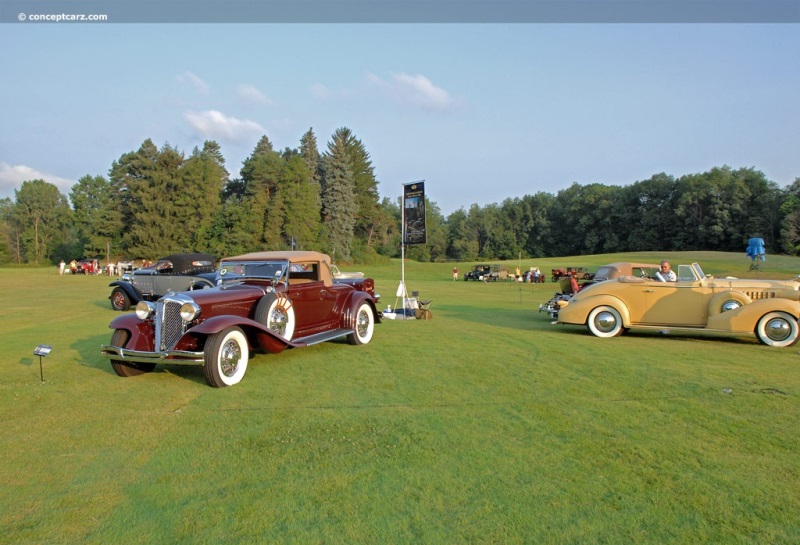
(173,273)
(486,273)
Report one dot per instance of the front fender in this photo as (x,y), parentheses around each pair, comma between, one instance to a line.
(141,332)
(258,334)
(577,312)
(745,318)
(133,294)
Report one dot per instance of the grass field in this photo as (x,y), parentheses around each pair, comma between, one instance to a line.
(486,424)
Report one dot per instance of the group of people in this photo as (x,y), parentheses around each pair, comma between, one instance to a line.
(664,274)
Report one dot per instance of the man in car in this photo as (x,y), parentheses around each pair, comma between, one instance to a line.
(666,274)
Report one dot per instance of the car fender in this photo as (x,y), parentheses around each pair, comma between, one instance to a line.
(577,312)
(258,334)
(745,318)
(141,332)
(715,305)
(348,320)
(133,294)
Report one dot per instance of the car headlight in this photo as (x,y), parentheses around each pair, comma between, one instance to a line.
(145,309)
(189,311)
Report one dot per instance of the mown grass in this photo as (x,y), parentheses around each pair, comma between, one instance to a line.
(487,424)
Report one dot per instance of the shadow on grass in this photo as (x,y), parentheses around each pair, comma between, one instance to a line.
(90,357)
(521,319)
(697,336)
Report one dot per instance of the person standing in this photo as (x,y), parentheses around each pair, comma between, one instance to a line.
(61,267)
(455,273)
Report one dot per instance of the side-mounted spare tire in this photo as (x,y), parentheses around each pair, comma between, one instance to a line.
(725,301)
(277,313)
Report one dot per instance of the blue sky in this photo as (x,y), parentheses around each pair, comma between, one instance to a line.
(481,112)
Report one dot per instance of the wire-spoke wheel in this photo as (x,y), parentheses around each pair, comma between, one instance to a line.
(225,357)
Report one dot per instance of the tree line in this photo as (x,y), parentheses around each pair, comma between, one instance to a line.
(157,201)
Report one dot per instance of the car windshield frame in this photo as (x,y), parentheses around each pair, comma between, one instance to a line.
(273,270)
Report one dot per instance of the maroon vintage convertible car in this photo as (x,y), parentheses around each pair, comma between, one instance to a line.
(264,301)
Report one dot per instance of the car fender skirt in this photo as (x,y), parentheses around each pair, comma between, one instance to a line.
(257,333)
(577,311)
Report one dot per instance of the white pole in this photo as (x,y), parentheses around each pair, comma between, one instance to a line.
(403,248)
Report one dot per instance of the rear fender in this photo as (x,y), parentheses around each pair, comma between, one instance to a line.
(348,320)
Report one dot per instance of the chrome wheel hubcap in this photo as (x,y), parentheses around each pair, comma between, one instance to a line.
(605,322)
(229,357)
(778,330)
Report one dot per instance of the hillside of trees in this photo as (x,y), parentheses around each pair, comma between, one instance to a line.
(159,201)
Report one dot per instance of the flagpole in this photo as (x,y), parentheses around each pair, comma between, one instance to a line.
(403,251)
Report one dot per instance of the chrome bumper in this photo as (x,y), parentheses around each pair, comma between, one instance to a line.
(137,356)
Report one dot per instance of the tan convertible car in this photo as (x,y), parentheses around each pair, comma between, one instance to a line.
(696,302)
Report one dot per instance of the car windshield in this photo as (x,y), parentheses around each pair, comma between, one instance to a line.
(604,273)
(236,270)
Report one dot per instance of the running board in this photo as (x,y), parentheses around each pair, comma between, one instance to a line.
(322,337)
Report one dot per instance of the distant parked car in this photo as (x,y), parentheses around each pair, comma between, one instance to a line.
(177,272)
(768,309)
(266,301)
(88,266)
(487,273)
(337,274)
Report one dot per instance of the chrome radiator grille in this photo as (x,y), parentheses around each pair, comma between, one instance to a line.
(169,326)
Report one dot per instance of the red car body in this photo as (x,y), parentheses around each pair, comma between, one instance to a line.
(264,301)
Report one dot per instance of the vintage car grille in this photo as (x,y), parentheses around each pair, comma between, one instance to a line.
(168,324)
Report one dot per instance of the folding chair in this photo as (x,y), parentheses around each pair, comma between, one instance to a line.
(421,311)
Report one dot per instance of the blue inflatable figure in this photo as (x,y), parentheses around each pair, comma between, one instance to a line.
(756,252)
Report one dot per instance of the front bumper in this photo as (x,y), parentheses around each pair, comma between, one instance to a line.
(137,356)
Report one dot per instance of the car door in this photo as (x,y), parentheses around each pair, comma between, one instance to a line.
(313,302)
(674,303)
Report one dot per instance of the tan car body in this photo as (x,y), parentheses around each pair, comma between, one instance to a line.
(767,308)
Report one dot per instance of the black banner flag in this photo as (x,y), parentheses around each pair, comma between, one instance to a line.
(414,231)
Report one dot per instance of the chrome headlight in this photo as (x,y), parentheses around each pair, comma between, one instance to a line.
(189,311)
(144,310)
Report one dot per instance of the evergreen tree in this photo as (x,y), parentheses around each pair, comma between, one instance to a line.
(301,203)
(204,178)
(42,217)
(310,154)
(365,186)
(92,198)
(6,231)
(260,174)
(338,198)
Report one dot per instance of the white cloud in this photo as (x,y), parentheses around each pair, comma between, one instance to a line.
(215,125)
(196,82)
(321,92)
(414,90)
(11,178)
(250,93)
